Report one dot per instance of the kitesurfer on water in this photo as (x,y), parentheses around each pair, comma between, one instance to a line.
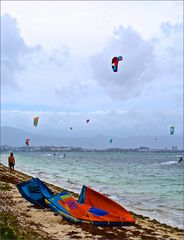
(180,160)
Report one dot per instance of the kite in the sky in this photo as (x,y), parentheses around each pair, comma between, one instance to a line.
(87,120)
(71,128)
(27,141)
(35,121)
(172,130)
(111,140)
(115,62)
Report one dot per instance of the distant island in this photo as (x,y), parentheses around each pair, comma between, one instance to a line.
(5,148)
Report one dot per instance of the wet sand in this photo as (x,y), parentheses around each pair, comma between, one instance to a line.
(38,223)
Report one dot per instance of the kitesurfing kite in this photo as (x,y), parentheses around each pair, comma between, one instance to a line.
(111,140)
(71,128)
(115,62)
(87,120)
(172,130)
(91,207)
(35,121)
(27,141)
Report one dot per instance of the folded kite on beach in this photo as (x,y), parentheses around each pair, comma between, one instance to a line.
(91,206)
(35,191)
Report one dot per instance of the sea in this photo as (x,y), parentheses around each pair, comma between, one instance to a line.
(147,183)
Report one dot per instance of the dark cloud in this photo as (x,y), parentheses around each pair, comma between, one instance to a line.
(13,51)
(136,69)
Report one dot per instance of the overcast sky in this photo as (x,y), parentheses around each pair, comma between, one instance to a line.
(56,63)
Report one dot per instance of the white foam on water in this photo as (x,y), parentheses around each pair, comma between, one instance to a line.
(169,163)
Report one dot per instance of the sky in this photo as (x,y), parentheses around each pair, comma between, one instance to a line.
(56,64)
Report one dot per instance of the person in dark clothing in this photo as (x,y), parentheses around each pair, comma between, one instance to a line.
(11,161)
(179,161)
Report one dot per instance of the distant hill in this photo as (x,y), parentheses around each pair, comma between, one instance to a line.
(16,137)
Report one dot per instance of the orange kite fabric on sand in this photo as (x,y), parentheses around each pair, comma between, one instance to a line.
(92,207)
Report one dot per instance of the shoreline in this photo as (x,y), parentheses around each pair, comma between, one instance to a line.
(42,223)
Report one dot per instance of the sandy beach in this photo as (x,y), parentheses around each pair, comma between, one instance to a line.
(24,221)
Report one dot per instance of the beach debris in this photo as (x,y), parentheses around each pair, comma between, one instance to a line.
(115,62)
(35,121)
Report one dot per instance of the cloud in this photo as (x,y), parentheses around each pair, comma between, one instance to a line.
(111,123)
(136,69)
(39,75)
(170,51)
(13,51)
(166,91)
(144,61)
(29,73)
(147,88)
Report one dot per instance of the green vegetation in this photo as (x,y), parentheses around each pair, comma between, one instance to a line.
(10,229)
(5,186)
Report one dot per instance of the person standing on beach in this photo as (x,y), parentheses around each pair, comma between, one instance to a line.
(11,161)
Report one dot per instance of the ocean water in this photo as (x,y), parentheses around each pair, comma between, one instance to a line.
(147,183)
